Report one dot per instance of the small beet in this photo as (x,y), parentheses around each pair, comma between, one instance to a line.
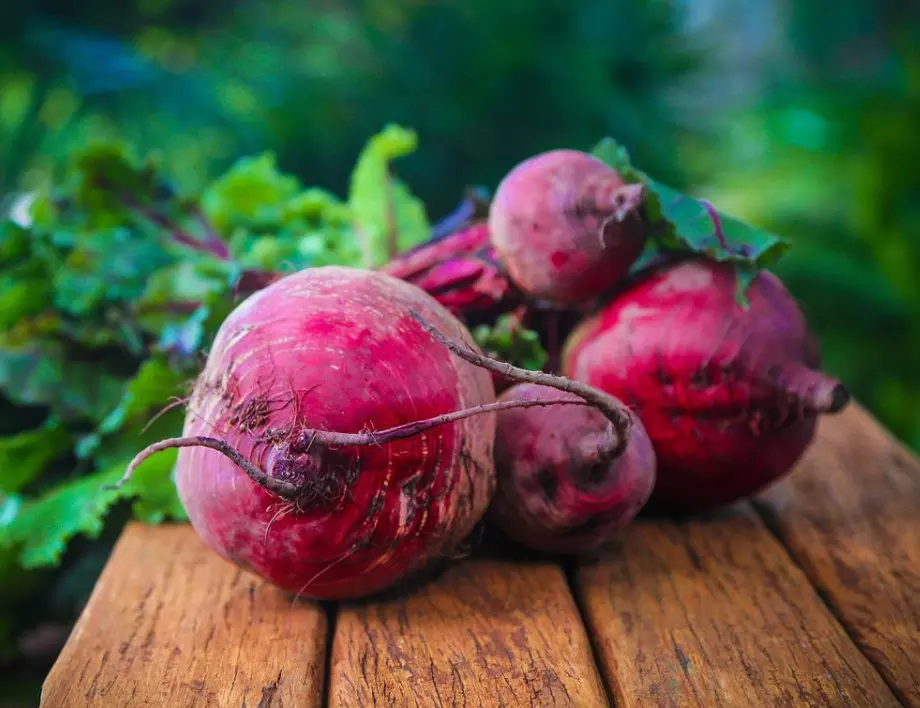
(560,488)
(728,395)
(566,226)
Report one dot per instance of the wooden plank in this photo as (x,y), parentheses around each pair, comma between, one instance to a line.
(486,633)
(712,612)
(170,624)
(850,516)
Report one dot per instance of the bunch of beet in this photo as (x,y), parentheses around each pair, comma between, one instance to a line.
(345,432)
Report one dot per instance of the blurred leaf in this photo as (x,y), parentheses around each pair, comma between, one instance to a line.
(40,373)
(108,177)
(24,456)
(388,218)
(155,384)
(509,341)
(253,191)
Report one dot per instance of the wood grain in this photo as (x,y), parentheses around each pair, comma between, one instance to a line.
(487,633)
(850,515)
(712,612)
(170,624)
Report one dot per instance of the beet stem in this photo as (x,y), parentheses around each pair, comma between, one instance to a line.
(407,430)
(615,206)
(716,224)
(615,411)
(306,440)
(279,487)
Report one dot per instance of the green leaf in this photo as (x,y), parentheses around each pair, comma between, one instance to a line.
(252,191)
(106,266)
(680,222)
(509,341)
(39,373)
(108,178)
(41,528)
(153,387)
(24,456)
(387,217)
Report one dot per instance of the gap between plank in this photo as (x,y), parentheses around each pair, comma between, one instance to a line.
(771,524)
(569,568)
(331,610)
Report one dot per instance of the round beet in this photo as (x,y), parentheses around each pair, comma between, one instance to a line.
(560,487)
(566,226)
(728,395)
(346,513)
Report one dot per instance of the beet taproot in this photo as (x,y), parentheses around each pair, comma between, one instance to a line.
(560,487)
(728,394)
(335,349)
(566,226)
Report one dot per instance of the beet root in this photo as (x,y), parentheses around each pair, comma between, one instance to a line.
(729,396)
(560,490)
(346,513)
(566,226)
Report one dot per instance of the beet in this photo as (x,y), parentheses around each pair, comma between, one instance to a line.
(560,488)
(728,395)
(566,226)
(317,513)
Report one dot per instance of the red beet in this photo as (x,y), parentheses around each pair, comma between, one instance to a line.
(729,396)
(335,349)
(566,226)
(560,487)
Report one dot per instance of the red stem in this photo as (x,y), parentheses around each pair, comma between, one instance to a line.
(716,223)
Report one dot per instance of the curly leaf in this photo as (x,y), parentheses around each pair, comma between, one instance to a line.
(39,529)
(388,218)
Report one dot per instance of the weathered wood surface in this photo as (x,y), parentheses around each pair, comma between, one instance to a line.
(170,624)
(712,613)
(850,515)
(708,612)
(487,633)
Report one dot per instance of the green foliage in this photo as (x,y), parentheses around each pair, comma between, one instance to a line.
(115,288)
(509,340)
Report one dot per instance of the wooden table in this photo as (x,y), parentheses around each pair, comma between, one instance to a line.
(809,596)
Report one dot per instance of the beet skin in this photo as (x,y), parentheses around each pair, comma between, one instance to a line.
(559,488)
(566,226)
(335,349)
(729,396)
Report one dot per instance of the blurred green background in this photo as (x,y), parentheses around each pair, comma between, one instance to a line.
(801,119)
